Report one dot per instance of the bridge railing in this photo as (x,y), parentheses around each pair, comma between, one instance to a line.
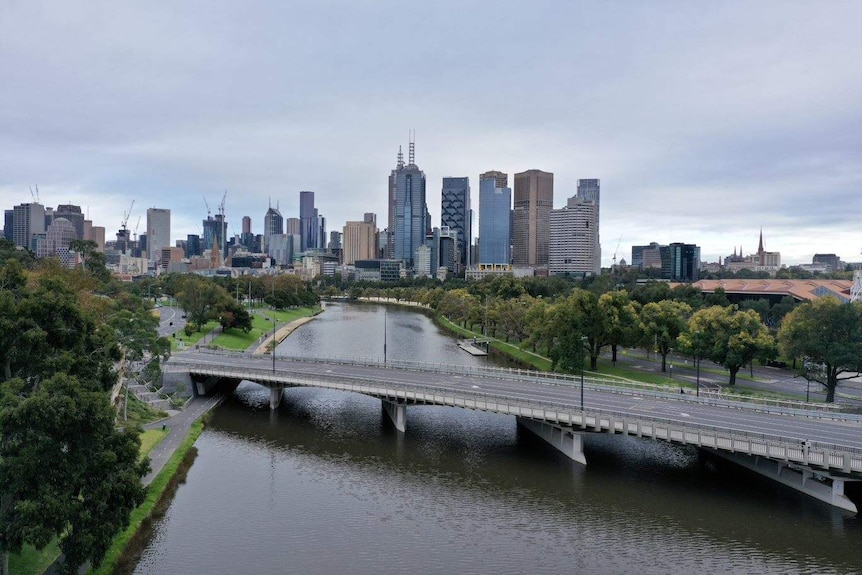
(403,391)
(612,385)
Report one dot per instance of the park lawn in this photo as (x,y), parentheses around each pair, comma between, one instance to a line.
(150,438)
(33,562)
(238,340)
(534,360)
(190,340)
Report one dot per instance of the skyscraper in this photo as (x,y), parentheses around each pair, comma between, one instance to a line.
(392,204)
(273,223)
(158,232)
(501,180)
(573,240)
(534,200)
(495,210)
(680,262)
(359,242)
(27,221)
(411,209)
(455,214)
(589,190)
(246,225)
(74,216)
(308,219)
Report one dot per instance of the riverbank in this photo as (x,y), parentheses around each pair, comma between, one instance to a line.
(281,334)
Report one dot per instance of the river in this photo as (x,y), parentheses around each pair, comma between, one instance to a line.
(326,485)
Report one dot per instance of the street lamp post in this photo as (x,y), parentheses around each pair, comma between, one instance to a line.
(385,315)
(274,325)
(584,340)
(697,384)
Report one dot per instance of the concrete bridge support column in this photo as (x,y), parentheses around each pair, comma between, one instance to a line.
(820,485)
(571,443)
(397,412)
(275,395)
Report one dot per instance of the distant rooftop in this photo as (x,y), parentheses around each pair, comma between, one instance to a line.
(801,290)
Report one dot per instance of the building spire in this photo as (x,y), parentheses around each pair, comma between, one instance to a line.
(760,247)
(400,158)
(412,157)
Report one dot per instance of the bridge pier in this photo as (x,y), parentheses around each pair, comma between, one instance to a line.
(397,412)
(275,395)
(570,443)
(821,484)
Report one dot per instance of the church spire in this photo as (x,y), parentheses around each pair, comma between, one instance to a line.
(760,247)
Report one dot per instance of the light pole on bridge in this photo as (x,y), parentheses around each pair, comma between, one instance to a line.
(385,315)
(274,326)
(584,341)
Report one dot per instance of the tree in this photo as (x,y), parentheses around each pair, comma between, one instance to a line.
(201,299)
(661,324)
(65,471)
(729,337)
(828,336)
(621,319)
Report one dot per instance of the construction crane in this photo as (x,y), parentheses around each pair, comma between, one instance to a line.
(135,233)
(207,204)
(617,250)
(36,195)
(126,216)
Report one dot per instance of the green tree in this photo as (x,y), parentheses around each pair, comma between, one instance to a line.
(621,319)
(65,471)
(661,324)
(828,336)
(729,337)
(201,299)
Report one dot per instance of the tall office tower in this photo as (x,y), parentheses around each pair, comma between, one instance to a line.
(293,226)
(273,224)
(501,180)
(442,244)
(193,245)
(321,232)
(88,230)
(590,190)
(308,217)
(392,204)
(74,216)
(8,219)
(680,262)
(574,235)
(495,205)
(534,200)
(411,210)
(158,232)
(370,217)
(359,242)
(27,221)
(49,217)
(334,245)
(455,214)
(56,241)
(246,225)
(646,257)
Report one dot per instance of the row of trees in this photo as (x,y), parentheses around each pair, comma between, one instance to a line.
(587,320)
(66,471)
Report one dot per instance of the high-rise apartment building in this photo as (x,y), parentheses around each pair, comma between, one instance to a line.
(8,219)
(455,214)
(574,238)
(158,232)
(534,200)
(273,224)
(495,210)
(246,225)
(359,242)
(27,221)
(411,210)
(309,220)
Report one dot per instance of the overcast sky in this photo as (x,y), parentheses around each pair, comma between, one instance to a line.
(705,121)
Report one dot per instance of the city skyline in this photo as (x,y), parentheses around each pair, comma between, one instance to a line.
(705,124)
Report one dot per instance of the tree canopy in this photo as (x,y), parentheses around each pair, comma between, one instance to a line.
(827,335)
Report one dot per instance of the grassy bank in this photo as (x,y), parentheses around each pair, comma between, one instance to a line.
(238,340)
(190,340)
(32,561)
(529,359)
(128,545)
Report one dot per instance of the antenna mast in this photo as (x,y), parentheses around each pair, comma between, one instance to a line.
(412,148)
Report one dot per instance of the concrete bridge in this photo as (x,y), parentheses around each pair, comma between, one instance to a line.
(817,451)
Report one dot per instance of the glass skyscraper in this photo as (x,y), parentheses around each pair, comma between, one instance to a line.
(495,205)
(411,210)
(455,214)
